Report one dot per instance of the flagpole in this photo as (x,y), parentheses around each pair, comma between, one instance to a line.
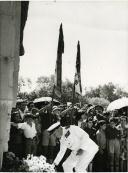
(52,97)
(77,80)
(80,101)
(73,99)
(51,106)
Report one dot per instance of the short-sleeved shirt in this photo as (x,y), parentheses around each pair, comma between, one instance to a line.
(29,131)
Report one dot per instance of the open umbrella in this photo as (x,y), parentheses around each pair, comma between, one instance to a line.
(118,104)
(43,101)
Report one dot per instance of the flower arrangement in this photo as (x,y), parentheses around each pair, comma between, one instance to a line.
(38,164)
(11,163)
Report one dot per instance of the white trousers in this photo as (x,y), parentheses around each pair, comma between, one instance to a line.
(79,162)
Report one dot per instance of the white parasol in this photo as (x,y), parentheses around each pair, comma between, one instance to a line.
(45,99)
(118,104)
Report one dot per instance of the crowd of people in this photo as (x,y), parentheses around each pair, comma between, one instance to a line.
(29,135)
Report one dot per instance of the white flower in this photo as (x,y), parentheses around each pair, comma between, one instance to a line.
(38,164)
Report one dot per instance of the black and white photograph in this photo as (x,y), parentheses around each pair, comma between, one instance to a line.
(64,86)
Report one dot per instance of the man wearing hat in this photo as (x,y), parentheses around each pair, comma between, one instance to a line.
(74,138)
(56,111)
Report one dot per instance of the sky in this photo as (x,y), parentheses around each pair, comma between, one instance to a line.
(100,26)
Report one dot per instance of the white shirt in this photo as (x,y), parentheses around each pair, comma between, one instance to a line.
(74,138)
(29,132)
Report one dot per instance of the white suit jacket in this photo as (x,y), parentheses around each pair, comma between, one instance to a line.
(74,138)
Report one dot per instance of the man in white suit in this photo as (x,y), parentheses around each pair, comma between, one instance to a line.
(78,141)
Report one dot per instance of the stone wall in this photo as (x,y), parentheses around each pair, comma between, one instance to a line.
(9,66)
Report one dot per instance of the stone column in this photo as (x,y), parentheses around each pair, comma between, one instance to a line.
(9,66)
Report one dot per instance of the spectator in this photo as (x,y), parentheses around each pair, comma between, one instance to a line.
(90,130)
(92,134)
(30,106)
(101,156)
(30,132)
(22,106)
(37,120)
(82,121)
(113,137)
(16,135)
(68,116)
(91,111)
(48,141)
(123,143)
(57,113)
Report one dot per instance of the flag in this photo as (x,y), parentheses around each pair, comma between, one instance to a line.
(77,80)
(58,70)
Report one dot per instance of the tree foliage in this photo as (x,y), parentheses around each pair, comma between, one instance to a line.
(100,95)
(108,91)
(98,101)
(67,88)
(45,86)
